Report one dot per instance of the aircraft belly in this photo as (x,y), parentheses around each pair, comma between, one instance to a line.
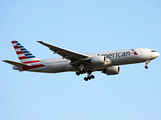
(57,67)
(37,69)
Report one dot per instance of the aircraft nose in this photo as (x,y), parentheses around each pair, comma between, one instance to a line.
(158,54)
(155,55)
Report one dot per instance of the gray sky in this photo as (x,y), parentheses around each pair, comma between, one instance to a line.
(84,27)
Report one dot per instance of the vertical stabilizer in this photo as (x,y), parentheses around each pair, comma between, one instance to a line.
(23,54)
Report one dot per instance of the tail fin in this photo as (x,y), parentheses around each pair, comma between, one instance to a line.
(23,54)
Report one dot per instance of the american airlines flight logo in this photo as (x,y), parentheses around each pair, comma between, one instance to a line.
(135,53)
(120,54)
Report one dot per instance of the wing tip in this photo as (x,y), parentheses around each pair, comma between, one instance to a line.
(40,41)
(4,60)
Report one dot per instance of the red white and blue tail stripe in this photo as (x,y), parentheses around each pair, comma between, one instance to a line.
(23,54)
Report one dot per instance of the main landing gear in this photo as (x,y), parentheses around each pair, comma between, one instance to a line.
(146,64)
(80,72)
(89,77)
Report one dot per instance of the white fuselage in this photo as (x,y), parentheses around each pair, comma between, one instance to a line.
(120,57)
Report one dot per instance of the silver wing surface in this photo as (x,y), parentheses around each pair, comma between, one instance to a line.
(67,54)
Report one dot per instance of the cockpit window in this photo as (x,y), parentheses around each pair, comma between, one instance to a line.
(153,51)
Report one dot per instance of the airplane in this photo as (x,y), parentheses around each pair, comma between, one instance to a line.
(107,62)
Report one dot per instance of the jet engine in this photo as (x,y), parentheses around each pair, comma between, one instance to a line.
(114,70)
(98,60)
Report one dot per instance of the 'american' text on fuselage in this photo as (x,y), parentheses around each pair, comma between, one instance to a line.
(117,54)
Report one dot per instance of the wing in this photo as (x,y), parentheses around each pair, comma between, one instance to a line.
(70,55)
(16,63)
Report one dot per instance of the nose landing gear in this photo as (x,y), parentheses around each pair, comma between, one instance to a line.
(146,64)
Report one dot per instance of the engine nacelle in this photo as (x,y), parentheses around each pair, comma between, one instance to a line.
(114,70)
(98,60)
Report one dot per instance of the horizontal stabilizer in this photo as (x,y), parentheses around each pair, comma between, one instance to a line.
(16,63)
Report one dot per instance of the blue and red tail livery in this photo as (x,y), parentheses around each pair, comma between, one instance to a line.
(23,54)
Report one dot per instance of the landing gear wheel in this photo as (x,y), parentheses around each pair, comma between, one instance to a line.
(92,76)
(80,72)
(77,73)
(89,78)
(86,79)
(146,67)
